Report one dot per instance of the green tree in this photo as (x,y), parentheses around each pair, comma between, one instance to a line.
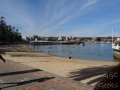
(98,39)
(2,30)
(117,42)
(8,33)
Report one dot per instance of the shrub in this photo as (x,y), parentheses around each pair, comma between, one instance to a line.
(117,42)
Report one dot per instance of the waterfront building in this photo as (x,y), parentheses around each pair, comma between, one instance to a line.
(118,38)
(67,38)
(24,38)
(94,39)
(60,38)
(46,38)
(35,39)
(70,36)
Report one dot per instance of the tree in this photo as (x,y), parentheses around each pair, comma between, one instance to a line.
(117,42)
(109,37)
(2,17)
(8,33)
(98,39)
(2,30)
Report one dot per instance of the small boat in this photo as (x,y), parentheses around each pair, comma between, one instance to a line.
(82,44)
(108,42)
(101,44)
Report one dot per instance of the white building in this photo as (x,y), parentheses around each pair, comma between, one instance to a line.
(24,37)
(118,38)
(35,39)
(60,38)
(66,38)
(70,36)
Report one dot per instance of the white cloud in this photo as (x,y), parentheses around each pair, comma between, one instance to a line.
(62,14)
(51,16)
(89,2)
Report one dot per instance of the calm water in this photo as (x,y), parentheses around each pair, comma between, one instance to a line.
(88,52)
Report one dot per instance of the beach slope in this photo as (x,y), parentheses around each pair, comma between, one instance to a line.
(85,71)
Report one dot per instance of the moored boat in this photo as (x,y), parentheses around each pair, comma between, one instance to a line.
(82,44)
(116,48)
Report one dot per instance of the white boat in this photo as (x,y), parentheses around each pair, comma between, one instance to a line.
(116,48)
(82,44)
(101,44)
(108,42)
(97,42)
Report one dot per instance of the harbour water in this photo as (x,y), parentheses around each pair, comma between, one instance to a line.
(97,52)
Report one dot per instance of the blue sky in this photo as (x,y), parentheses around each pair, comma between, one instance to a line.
(82,18)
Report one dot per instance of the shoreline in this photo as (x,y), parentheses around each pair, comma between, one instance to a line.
(85,71)
(75,59)
(91,57)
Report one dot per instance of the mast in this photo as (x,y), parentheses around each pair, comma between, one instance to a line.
(112,36)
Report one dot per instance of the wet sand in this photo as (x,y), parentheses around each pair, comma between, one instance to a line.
(85,71)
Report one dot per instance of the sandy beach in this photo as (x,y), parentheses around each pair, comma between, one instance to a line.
(85,71)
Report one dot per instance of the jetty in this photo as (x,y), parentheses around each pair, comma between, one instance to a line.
(53,42)
(44,42)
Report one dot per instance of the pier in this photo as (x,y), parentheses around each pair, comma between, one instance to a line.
(44,42)
(53,42)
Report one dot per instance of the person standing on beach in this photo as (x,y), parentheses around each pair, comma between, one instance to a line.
(48,51)
(70,56)
(41,50)
(2,59)
(73,46)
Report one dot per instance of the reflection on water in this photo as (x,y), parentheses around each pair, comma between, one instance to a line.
(88,52)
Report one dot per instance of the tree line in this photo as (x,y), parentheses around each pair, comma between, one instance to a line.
(8,33)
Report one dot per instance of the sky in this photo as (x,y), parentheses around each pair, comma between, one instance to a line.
(81,18)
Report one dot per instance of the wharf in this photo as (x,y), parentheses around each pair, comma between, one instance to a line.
(44,42)
(53,42)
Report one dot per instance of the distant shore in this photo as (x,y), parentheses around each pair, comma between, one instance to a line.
(85,71)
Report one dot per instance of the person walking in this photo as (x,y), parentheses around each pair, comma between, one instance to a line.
(48,50)
(2,59)
(41,50)
(70,56)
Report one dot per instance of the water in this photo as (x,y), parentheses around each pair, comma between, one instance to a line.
(88,52)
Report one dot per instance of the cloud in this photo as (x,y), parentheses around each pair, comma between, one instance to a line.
(62,14)
(89,2)
(57,17)
(98,25)
(17,13)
